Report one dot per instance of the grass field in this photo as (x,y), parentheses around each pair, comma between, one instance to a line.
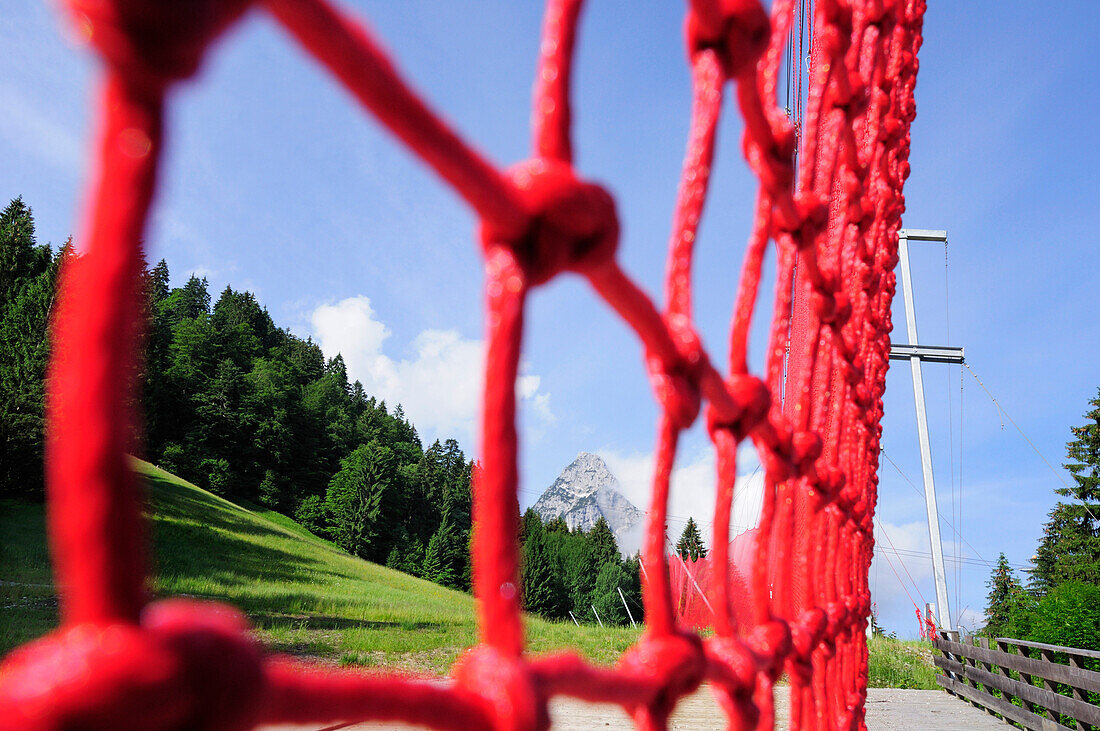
(900,664)
(306,597)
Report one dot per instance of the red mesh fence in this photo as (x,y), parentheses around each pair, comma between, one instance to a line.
(120,662)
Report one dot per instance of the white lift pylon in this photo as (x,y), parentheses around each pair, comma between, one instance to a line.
(915,353)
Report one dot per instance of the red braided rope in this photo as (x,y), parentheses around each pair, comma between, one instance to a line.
(119,662)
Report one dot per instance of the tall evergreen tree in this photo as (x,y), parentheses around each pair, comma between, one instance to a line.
(1004,596)
(1070,547)
(690,546)
(439,557)
(543,591)
(359,499)
(27,282)
(605,593)
(601,541)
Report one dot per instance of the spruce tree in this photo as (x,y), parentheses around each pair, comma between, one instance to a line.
(1003,598)
(1070,547)
(602,544)
(27,280)
(690,546)
(439,556)
(605,594)
(543,591)
(359,499)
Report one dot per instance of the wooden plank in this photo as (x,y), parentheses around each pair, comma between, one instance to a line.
(1076,677)
(1081,710)
(1025,718)
(1077,662)
(1053,648)
(1003,647)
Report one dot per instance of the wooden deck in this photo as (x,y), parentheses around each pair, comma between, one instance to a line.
(888,709)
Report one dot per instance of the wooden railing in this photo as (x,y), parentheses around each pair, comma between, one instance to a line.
(1020,681)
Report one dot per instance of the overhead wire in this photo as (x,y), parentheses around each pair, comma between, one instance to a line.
(891,563)
(1031,444)
(941,517)
(886,535)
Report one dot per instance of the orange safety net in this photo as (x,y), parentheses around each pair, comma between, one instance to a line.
(119,661)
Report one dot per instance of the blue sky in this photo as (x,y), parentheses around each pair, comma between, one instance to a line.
(275,182)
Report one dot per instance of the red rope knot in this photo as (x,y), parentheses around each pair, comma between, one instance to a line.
(811,212)
(151,43)
(738,663)
(859,607)
(771,156)
(836,617)
(845,498)
(676,384)
(509,689)
(572,224)
(860,511)
(863,397)
(807,632)
(222,666)
(805,448)
(751,399)
(853,374)
(732,668)
(677,662)
(770,642)
(831,480)
(832,308)
(849,93)
(189,665)
(737,30)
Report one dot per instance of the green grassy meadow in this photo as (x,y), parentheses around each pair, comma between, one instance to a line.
(900,664)
(303,595)
(306,597)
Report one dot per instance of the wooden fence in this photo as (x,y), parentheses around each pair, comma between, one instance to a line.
(1020,681)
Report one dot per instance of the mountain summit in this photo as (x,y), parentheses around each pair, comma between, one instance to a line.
(585,491)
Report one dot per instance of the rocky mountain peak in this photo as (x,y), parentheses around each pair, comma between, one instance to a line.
(587,490)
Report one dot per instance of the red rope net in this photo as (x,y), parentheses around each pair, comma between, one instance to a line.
(120,662)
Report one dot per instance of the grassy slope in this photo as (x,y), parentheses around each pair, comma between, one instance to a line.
(900,664)
(304,595)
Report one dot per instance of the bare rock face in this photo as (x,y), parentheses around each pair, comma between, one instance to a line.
(585,491)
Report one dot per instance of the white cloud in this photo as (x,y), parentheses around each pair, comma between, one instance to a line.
(692,490)
(900,579)
(439,387)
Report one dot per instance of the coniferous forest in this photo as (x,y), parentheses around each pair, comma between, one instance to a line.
(252,412)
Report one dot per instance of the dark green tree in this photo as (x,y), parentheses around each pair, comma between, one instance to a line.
(28,274)
(690,546)
(602,544)
(543,591)
(1070,547)
(1004,596)
(359,501)
(605,593)
(1069,616)
(439,556)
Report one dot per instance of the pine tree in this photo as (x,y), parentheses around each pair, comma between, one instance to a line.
(605,594)
(27,280)
(1070,547)
(359,500)
(602,544)
(690,546)
(1004,595)
(439,556)
(543,591)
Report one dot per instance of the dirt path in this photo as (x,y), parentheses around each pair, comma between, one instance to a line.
(888,709)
